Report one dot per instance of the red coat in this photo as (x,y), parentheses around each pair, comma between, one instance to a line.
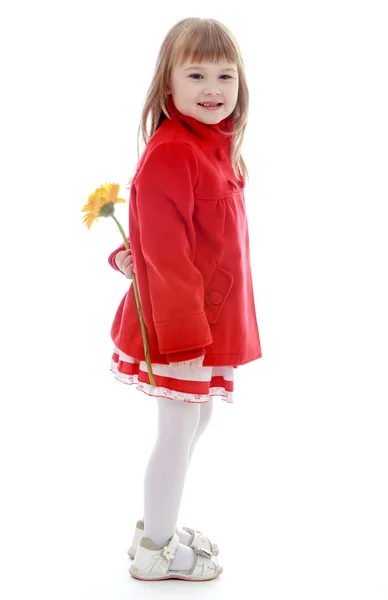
(188,234)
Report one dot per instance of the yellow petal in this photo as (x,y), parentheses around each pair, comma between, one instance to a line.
(105,194)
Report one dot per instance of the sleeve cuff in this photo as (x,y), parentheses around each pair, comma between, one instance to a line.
(192,332)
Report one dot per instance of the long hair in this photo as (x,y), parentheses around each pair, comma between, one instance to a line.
(202,40)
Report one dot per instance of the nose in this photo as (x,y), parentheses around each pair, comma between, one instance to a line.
(213,92)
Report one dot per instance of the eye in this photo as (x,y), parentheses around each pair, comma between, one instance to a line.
(194,74)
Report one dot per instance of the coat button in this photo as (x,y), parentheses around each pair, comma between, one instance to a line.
(233,184)
(220,154)
(215,297)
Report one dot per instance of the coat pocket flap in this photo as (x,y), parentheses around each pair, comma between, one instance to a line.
(216,293)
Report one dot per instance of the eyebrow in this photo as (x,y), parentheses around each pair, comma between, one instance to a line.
(201,67)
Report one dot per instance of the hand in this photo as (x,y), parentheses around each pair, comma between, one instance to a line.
(124,261)
(194,362)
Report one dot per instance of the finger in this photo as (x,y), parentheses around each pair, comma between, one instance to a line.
(128,262)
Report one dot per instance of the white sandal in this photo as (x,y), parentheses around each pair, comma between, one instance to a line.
(197,539)
(152,563)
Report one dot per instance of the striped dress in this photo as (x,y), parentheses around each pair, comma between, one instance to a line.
(185,384)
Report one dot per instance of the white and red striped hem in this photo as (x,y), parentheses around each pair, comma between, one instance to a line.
(186,384)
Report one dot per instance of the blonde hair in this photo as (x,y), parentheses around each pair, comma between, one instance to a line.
(201,40)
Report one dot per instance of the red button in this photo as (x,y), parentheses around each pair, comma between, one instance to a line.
(233,184)
(215,297)
(220,154)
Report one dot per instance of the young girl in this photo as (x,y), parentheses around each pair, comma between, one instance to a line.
(189,248)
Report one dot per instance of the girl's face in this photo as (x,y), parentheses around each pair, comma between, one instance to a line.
(204,82)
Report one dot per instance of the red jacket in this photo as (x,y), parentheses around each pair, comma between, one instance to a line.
(188,234)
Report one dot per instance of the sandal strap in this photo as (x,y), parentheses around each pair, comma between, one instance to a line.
(199,540)
(202,551)
(170,549)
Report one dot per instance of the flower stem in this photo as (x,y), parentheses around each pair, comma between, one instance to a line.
(142,325)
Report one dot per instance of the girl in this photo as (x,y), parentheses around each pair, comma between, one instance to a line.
(189,248)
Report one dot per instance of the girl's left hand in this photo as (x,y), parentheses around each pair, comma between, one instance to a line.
(194,362)
(124,261)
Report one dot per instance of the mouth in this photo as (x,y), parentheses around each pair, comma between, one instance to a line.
(210,107)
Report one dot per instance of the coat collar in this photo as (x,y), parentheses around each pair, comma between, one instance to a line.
(202,130)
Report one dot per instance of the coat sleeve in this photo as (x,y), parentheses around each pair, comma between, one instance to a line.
(165,208)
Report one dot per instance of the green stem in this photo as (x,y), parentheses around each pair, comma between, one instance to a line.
(142,325)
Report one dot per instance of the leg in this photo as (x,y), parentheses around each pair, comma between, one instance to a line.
(205,416)
(166,473)
(206,411)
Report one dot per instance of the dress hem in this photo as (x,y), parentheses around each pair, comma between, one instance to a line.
(163,392)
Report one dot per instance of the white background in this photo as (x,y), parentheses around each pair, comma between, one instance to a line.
(291,479)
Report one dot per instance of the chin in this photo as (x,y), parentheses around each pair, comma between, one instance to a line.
(216,115)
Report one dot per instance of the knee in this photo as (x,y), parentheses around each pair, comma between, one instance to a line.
(178,421)
(205,416)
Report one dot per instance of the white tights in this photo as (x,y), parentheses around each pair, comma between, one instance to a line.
(180,425)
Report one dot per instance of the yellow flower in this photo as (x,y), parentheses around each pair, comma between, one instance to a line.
(101,203)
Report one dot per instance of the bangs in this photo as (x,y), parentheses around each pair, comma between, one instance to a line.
(203,45)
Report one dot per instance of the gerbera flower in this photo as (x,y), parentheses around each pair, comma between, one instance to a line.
(102,204)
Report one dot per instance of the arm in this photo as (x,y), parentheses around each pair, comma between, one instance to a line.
(165,206)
